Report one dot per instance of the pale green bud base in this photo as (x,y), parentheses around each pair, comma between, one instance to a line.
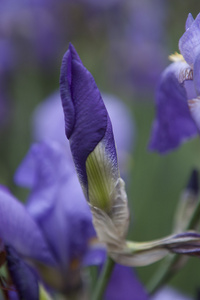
(100,178)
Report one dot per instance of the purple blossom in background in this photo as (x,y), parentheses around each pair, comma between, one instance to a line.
(137,43)
(22,239)
(14,217)
(130,287)
(34,24)
(168,293)
(177,97)
(57,204)
(98,3)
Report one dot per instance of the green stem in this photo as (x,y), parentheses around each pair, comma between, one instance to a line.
(167,268)
(103,279)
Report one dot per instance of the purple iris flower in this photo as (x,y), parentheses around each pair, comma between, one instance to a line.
(23,240)
(136,37)
(57,204)
(16,228)
(177,97)
(35,23)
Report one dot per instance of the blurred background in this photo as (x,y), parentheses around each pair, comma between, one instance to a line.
(125,45)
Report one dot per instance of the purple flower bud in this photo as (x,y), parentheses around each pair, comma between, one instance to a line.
(88,129)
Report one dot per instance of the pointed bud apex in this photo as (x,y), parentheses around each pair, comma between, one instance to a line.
(193,182)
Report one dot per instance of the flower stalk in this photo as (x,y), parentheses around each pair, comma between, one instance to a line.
(103,279)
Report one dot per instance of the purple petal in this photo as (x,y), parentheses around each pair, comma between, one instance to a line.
(95,255)
(57,202)
(189,21)
(169,294)
(86,119)
(190,89)
(194,105)
(37,171)
(68,227)
(124,284)
(23,277)
(189,43)
(19,230)
(173,124)
(196,74)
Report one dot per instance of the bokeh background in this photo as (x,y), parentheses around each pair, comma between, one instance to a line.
(125,44)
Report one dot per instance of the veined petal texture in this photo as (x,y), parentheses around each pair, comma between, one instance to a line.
(189,43)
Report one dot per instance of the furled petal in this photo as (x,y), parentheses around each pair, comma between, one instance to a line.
(20,231)
(86,119)
(123,284)
(23,277)
(173,124)
(189,43)
(187,243)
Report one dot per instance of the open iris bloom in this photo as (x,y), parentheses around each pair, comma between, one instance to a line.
(54,231)
(16,228)
(178,94)
(89,130)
